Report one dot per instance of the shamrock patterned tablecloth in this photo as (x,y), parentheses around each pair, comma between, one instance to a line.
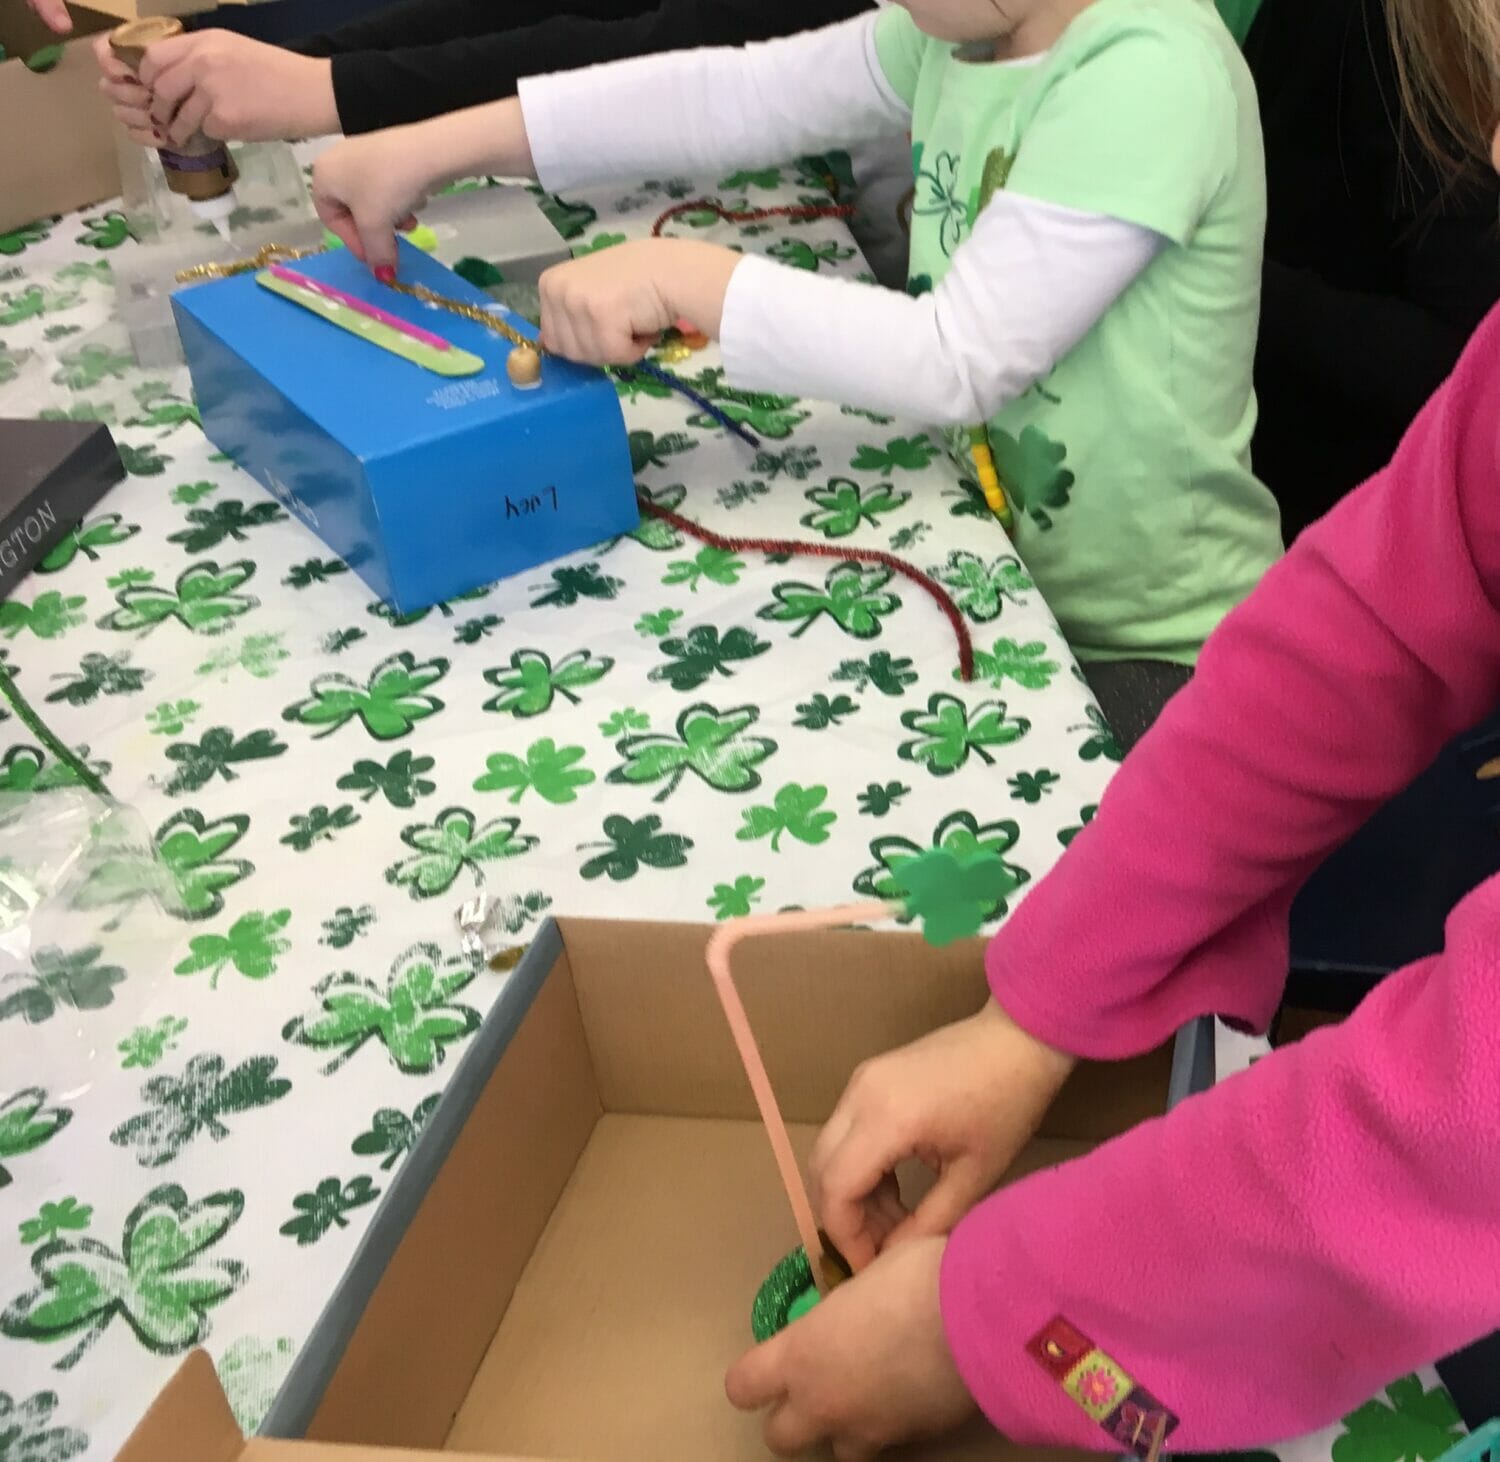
(653,728)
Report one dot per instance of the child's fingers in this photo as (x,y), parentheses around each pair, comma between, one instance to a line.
(163,56)
(755,1380)
(340,222)
(847,1178)
(55,14)
(109,63)
(791,1431)
(190,118)
(956,1191)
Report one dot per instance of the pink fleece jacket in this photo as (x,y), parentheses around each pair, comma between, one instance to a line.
(1270,1255)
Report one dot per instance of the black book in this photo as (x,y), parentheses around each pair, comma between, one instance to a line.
(51,474)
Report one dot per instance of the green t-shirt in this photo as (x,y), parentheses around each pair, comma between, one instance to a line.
(1129,465)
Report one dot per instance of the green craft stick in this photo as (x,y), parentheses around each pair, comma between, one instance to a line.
(450,362)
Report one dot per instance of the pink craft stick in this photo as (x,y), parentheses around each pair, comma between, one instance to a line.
(720,948)
(303,281)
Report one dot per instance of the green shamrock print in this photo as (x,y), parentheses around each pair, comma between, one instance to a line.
(346,925)
(257,655)
(252,946)
(569,219)
(1100,741)
(981,590)
(1026,664)
(129,578)
(797,463)
(87,539)
(996,173)
(400,781)
(751,178)
(910,454)
(716,565)
(28,1435)
(969,501)
(796,811)
(388,705)
(833,172)
(99,675)
(16,240)
(188,494)
(649,450)
(216,754)
(188,870)
(819,713)
(1032,469)
(205,600)
(26,769)
(961,834)
(571,585)
(327,1207)
(624,720)
(739,494)
(879,798)
(159,1281)
(471,631)
(59,981)
(171,717)
(335,642)
(394,1133)
(49,616)
(655,533)
(632,845)
(735,900)
(853,596)
(767,415)
(319,825)
(26,1123)
(513,912)
(11,362)
(312,571)
(702,653)
(143,461)
(938,197)
(252,1372)
(108,231)
(1410,1424)
(551,771)
(598,242)
(654,626)
(842,506)
(55,1219)
(414,1016)
(147,1045)
(226,519)
(529,685)
(709,743)
(950,894)
(947,731)
(87,366)
(1031,786)
(161,408)
(181,1109)
(799,254)
(889,676)
(31,304)
(452,844)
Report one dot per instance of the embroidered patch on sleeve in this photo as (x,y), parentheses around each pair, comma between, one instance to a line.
(1102,1388)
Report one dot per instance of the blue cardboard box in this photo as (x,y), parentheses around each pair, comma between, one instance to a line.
(427,486)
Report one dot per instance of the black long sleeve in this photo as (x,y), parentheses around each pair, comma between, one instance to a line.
(1377,268)
(424,57)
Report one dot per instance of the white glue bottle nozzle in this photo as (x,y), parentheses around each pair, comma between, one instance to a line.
(215,211)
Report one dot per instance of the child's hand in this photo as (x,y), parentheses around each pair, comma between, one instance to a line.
(54,13)
(368,187)
(867,1368)
(610,307)
(231,88)
(963,1100)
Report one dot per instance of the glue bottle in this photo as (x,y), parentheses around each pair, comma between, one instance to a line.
(201,170)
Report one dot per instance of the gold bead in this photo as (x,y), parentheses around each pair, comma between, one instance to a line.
(524,367)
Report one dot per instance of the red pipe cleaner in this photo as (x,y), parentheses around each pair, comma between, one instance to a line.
(751,215)
(930,586)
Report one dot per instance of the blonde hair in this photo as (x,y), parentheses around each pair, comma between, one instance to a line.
(1448,60)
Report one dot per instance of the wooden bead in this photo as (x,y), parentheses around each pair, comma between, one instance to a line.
(524,367)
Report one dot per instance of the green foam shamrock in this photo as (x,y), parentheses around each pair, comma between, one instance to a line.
(950,893)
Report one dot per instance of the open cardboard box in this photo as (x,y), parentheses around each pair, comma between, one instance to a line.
(565,1265)
(71,154)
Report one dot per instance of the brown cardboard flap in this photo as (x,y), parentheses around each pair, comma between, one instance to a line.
(189,1422)
(266,1451)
